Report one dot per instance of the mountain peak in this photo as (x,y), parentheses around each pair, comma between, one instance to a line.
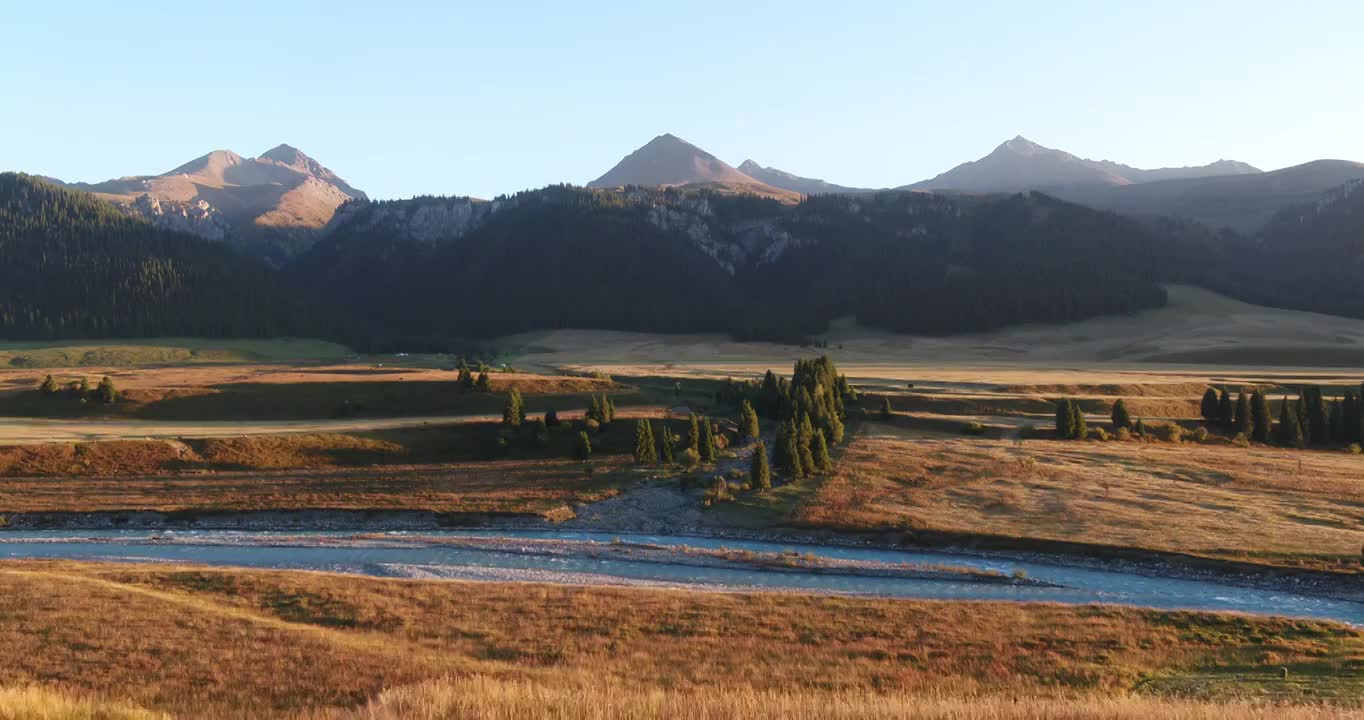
(669,160)
(285,153)
(1022,146)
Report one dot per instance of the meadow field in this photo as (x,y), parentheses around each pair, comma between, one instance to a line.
(217,643)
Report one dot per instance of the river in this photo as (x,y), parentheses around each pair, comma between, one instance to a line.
(400,554)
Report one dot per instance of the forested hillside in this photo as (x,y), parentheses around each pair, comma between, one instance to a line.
(73,266)
(670,260)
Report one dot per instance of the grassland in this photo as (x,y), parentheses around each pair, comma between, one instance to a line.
(291,392)
(164,351)
(232,643)
(1264,505)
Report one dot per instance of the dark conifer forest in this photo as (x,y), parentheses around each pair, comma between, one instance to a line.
(648,259)
(74,267)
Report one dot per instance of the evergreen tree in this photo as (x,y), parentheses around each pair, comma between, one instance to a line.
(1318,429)
(609,407)
(707,440)
(1350,427)
(806,459)
(1139,429)
(790,452)
(885,408)
(1261,421)
(1241,421)
(1208,408)
(552,417)
(583,451)
(759,476)
(84,390)
(484,384)
(595,411)
(1224,409)
(665,445)
(1065,419)
(107,393)
(1337,419)
(1296,437)
(1282,432)
(1078,428)
(694,434)
(836,430)
(49,385)
(748,421)
(1121,418)
(465,381)
(646,450)
(820,454)
(512,412)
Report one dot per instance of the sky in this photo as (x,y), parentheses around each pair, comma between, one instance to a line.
(452,98)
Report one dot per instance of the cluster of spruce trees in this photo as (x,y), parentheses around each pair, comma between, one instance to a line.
(809,410)
(1308,420)
(655,448)
(1070,420)
(465,380)
(105,392)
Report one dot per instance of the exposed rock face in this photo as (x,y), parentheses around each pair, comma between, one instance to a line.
(425,220)
(196,217)
(283,194)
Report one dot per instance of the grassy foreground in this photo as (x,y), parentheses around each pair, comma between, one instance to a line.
(209,643)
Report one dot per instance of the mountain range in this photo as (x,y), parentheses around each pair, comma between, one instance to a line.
(1021,164)
(670,239)
(271,205)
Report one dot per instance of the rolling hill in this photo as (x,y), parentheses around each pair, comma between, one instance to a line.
(1241,202)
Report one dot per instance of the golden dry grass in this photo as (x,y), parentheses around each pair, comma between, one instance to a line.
(490,699)
(30,702)
(506,486)
(238,643)
(1260,504)
(288,392)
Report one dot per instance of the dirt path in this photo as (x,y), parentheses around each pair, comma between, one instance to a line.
(29,431)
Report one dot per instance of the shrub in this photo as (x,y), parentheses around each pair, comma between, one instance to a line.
(1102,435)
(1241,440)
(107,393)
(1173,433)
(973,428)
(591,425)
(1353,449)
(689,458)
(1200,435)
(1123,434)
(49,385)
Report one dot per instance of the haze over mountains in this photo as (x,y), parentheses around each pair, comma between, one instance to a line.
(1020,164)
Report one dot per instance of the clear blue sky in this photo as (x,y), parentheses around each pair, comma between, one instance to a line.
(404,98)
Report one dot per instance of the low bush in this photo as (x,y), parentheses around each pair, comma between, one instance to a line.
(1123,434)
